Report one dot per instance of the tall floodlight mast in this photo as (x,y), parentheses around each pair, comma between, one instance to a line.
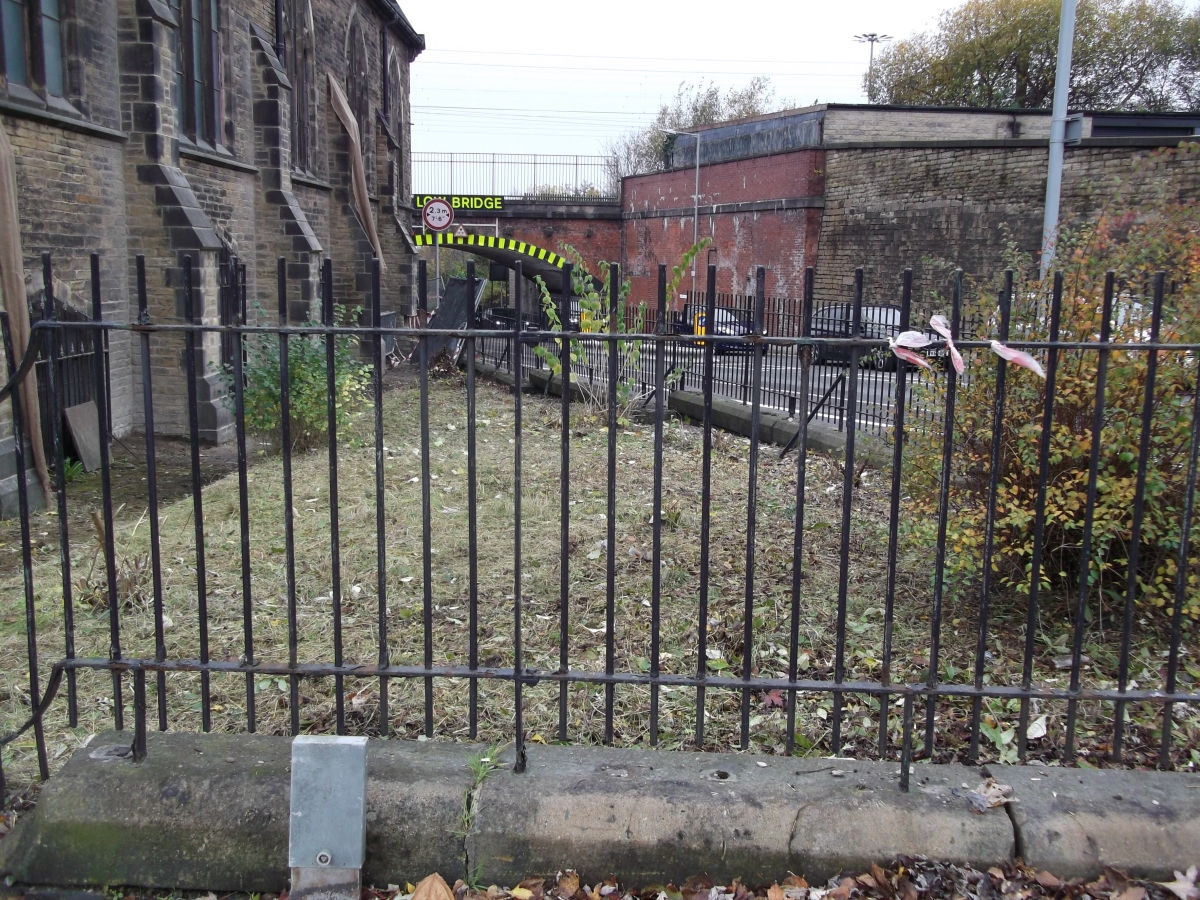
(872,38)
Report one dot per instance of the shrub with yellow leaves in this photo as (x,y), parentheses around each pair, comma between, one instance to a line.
(1135,243)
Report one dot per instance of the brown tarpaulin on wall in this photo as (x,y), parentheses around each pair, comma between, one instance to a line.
(12,288)
(358,175)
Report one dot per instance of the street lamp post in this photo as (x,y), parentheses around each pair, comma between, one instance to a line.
(695,201)
(872,38)
(1058,127)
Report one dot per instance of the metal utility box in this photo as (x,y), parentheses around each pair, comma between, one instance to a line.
(327,837)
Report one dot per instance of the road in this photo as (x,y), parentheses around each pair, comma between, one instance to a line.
(733,375)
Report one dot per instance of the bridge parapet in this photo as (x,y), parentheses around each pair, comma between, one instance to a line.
(530,176)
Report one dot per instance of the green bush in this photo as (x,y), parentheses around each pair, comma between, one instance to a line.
(307,384)
(1134,243)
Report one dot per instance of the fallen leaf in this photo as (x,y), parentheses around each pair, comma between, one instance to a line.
(1116,880)
(907,890)
(988,795)
(432,887)
(1066,661)
(568,883)
(881,881)
(1036,729)
(1184,885)
(774,698)
(842,891)
(521,893)
(1046,880)
(775,892)
(1133,893)
(795,881)
(696,887)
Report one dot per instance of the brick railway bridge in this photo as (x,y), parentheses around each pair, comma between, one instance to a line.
(829,186)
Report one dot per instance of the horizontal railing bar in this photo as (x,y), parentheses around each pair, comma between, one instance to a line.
(533,676)
(596,336)
(531,335)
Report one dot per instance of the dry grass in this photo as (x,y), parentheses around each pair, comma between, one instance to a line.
(541,474)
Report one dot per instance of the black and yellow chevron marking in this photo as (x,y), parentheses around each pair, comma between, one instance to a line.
(472,240)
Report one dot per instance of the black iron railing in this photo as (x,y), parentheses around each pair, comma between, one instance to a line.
(783,317)
(751,672)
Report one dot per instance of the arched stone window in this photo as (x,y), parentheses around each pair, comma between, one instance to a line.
(199,99)
(395,122)
(302,76)
(396,94)
(31,45)
(357,86)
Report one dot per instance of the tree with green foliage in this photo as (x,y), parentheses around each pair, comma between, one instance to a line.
(1128,55)
(646,149)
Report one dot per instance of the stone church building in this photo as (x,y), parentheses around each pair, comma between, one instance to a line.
(212,129)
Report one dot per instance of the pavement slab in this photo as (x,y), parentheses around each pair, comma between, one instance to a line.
(210,812)
(660,817)
(1072,822)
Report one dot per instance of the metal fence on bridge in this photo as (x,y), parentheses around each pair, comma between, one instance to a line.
(815,662)
(526,176)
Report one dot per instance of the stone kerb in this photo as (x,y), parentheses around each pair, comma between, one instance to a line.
(210,812)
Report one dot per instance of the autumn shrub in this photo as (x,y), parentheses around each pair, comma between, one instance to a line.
(1135,244)
(307,384)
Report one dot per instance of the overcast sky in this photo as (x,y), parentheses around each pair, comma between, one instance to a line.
(564,77)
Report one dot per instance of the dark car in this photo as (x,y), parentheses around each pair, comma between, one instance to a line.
(727,323)
(834,321)
(502,318)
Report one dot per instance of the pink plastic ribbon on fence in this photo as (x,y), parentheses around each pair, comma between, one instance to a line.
(906,342)
(942,327)
(1018,357)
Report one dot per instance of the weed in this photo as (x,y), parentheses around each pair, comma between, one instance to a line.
(72,469)
(481,764)
(307,389)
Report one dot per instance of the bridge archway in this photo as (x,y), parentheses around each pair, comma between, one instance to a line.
(534,260)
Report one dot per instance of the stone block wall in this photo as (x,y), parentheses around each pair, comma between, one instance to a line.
(106,168)
(936,208)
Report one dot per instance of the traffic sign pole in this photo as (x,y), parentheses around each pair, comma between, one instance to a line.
(438,215)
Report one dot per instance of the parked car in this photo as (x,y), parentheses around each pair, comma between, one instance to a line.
(502,317)
(834,322)
(726,323)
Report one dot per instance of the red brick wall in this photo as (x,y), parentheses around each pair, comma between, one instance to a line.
(784,241)
(798,174)
(595,239)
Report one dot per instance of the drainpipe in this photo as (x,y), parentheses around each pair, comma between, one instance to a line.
(1058,132)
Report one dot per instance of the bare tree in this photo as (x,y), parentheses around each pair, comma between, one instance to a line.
(646,149)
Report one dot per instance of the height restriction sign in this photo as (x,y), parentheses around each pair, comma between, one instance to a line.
(437,215)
